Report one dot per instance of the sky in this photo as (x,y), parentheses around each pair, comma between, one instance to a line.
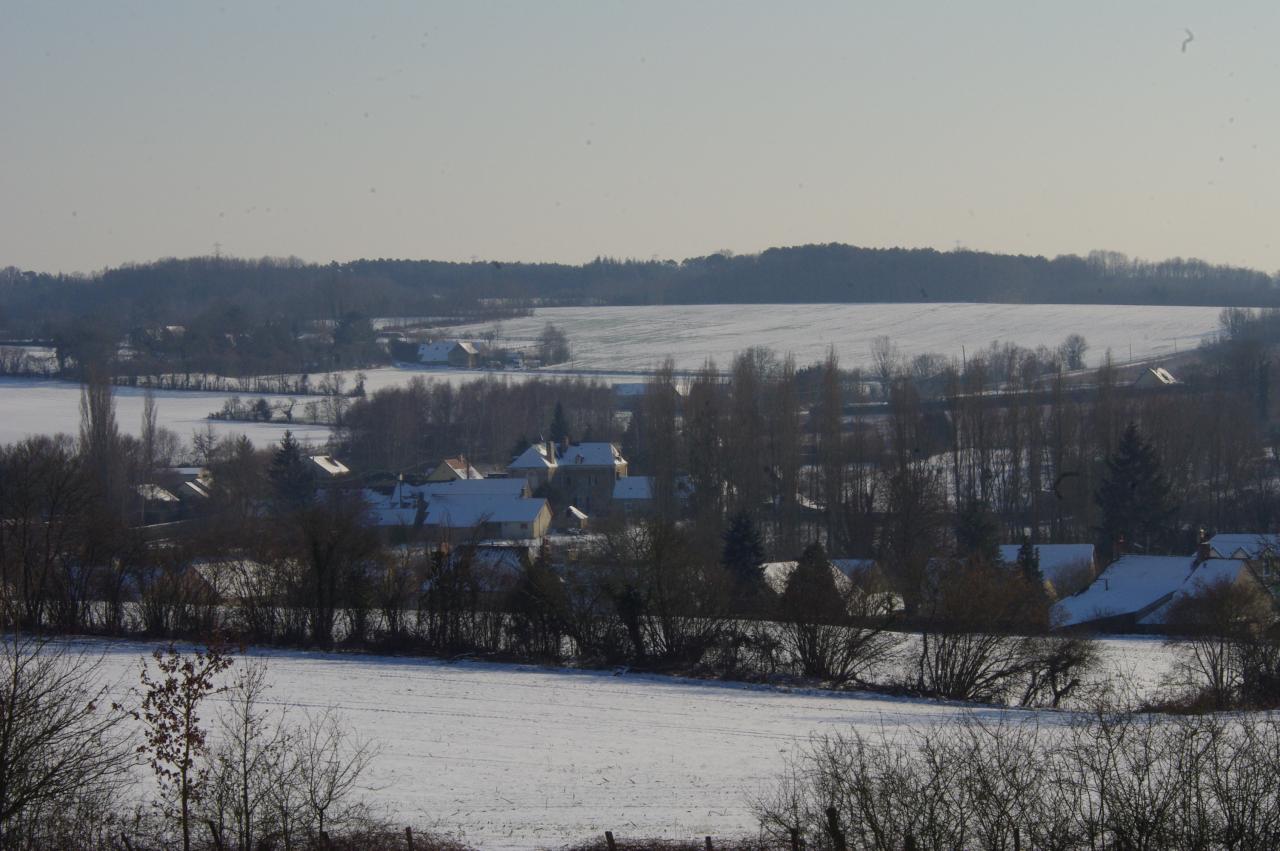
(563,131)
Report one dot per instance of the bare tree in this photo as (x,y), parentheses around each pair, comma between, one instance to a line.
(328,764)
(63,749)
(176,741)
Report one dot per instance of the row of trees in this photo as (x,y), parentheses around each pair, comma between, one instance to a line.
(1097,780)
(175,291)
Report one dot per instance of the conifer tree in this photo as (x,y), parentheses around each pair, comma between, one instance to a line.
(1029,563)
(1134,497)
(559,425)
(743,552)
(289,475)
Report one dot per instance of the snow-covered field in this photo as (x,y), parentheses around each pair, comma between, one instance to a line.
(636,338)
(511,756)
(611,344)
(37,406)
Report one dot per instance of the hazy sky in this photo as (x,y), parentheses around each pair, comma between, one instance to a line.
(561,131)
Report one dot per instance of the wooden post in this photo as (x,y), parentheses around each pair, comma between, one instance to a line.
(1017,840)
(795,839)
(408,838)
(833,827)
(908,843)
(608,838)
(709,848)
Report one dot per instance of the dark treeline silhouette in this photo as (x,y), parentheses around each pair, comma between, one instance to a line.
(178,291)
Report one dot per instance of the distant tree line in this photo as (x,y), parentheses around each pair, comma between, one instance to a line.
(288,291)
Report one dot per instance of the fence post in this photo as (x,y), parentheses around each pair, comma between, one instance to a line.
(608,838)
(908,843)
(795,839)
(408,837)
(1017,840)
(833,827)
(709,848)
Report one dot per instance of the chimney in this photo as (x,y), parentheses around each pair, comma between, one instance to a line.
(1119,549)
(1203,552)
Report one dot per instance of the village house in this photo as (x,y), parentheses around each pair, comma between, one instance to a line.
(457,353)
(584,473)
(326,467)
(1126,592)
(453,469)
(460,510)
(1155,376)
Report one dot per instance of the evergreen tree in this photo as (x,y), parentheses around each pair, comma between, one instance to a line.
(743,552)
(290,477)
(559,425)
(977,533)
(811,595)
(1029,563)
(1134,497)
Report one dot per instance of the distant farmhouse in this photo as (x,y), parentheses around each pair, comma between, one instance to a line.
(458,353)
(1155,376)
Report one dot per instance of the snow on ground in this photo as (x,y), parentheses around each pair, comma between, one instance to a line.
(613,343)
(512,756)
(38,406)
(636,338)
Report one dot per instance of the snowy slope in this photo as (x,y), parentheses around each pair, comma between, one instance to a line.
(636,338)
(517,757)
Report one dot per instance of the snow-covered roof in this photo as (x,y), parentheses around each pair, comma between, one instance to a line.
(633,487)
(468,487)
(1055,559)
(468,511)
(1160,375)
(1127,586)
(535,457)
(330,465)
(462,469)
(438,352)
(591,455)
(538,457)
(1243,544)
(193,488)
(1206,574)
(155,493)
(452,510)
(576,513)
